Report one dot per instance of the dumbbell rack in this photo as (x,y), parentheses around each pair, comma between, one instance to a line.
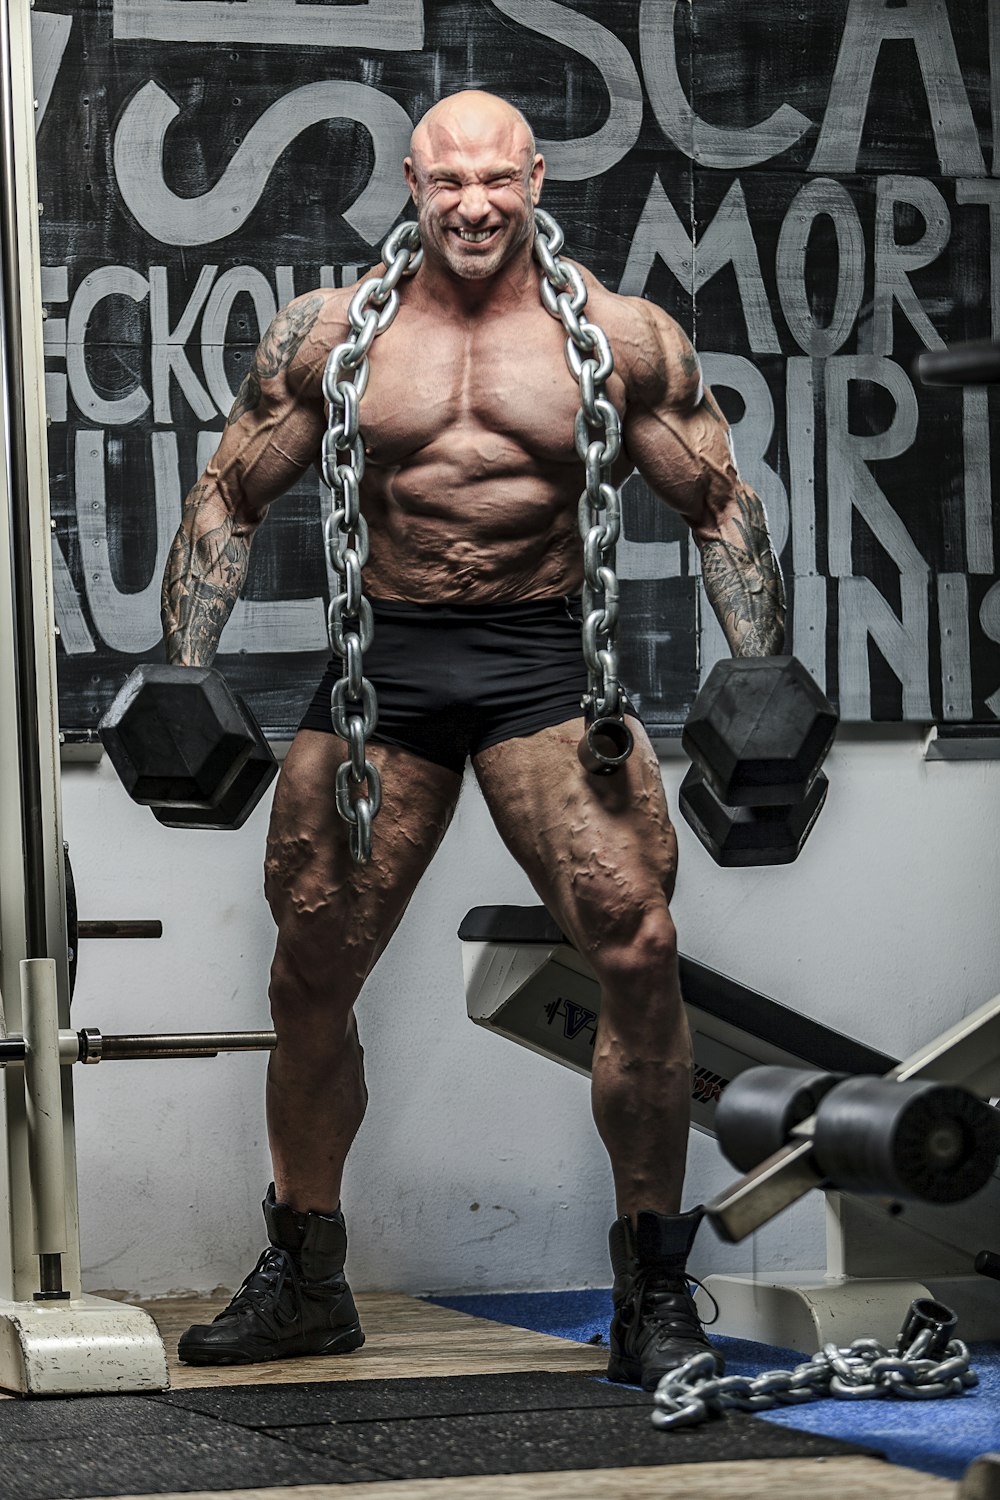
(53,1338)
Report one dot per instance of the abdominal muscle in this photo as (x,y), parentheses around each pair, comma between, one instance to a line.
(472,479)
(439,536)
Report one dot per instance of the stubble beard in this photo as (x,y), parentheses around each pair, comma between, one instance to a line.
(471,266)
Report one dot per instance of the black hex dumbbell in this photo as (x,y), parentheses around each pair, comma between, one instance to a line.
(184,745)
(758,733)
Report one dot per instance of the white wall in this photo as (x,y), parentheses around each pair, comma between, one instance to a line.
(885,928)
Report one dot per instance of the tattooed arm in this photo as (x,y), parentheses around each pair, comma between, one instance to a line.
(271,436)
(680,442)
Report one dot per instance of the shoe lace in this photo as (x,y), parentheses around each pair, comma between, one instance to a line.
(665,1297)
(261,1291)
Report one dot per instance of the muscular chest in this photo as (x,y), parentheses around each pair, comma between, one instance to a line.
(501,390)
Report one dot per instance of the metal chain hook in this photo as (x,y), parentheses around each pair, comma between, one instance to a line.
(926,1365)
(350,624)
(607,741)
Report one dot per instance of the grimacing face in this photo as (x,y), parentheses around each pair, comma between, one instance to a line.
(475,198)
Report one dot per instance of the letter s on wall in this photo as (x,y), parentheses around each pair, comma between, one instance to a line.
(588,156)
(172,220)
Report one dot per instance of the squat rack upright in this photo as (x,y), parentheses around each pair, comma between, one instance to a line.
(53,1338)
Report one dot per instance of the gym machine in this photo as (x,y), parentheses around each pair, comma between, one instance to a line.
(926,1126)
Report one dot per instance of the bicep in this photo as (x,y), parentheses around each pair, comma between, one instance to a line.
(682,448)
(274,428)
(269,441)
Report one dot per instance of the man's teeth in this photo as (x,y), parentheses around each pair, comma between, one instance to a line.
(474,236)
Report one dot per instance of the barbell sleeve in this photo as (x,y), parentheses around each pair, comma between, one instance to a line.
(185,1044)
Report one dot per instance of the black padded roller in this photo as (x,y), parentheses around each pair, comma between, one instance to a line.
(931,1141)
(759,1109)
(974,363)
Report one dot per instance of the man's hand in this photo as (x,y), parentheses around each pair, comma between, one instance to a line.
(680,442)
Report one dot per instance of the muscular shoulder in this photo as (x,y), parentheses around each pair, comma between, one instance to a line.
(295,347)
(653,355)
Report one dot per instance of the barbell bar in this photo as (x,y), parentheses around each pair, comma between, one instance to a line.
(89,1045)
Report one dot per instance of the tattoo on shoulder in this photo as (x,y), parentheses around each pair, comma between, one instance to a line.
(689,362)
(283,339)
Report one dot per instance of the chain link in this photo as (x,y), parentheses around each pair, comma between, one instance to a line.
(598,441)
(351,626)
(922,1368)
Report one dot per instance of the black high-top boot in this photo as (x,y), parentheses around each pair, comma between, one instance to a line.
(655,1325)
(295,1300)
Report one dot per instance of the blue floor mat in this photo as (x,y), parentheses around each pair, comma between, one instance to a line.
(938,1437)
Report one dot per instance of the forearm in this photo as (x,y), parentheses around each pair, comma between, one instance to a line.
(204,576)
(743,580)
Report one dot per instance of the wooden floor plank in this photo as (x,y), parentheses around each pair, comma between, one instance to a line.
(405,1337)
(750,1479)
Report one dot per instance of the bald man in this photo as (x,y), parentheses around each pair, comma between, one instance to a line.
(474,576)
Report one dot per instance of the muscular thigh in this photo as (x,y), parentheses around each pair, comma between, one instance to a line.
(598,849)
(326,906)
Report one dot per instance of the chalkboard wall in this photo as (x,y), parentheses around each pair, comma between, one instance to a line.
(811,189)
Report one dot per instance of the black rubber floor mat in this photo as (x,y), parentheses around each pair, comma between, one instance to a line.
(246,1437)
(387,1400)
(607,1437)
(220,1457)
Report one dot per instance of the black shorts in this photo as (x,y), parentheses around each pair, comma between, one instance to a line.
(452,679)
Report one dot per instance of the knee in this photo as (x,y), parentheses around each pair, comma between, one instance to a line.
(315,975)
(324,946)
(640,955)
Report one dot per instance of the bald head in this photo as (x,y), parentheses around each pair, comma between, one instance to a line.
(475,176)
(468,121)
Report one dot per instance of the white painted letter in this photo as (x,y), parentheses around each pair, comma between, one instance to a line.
(956,663)
(141,136)
(902,643)
(924,22)
(107,281)
(709,145)
(894,261)
(727,240)
(850,483)
(168,345)
(577,160)
(829,198)
(368,25)
(752,435)
(129,623)
(213,325)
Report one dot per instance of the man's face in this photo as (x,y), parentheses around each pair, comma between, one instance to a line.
(475,199)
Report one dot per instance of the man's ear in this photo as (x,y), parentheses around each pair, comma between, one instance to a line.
(537,177)
(411,177)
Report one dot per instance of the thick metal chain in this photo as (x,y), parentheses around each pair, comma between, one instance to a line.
(921,1370)
(598,439)
(350,623)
